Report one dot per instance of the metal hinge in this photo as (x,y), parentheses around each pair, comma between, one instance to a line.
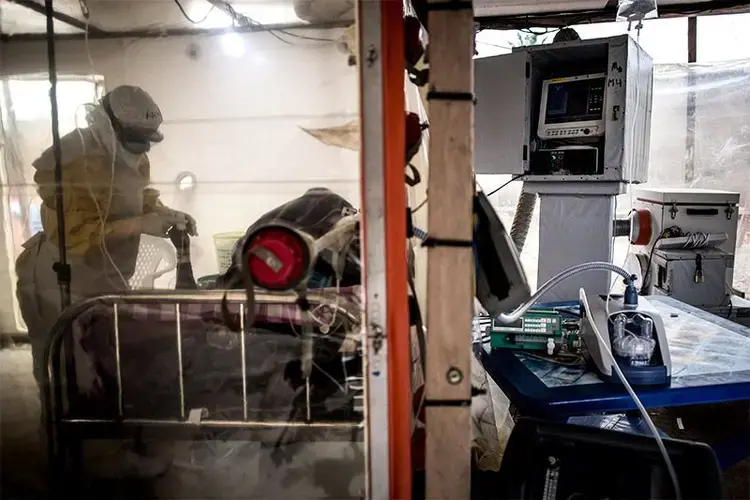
(673,211)
(729,211)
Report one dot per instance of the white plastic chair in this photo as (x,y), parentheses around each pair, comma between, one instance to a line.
(156,257)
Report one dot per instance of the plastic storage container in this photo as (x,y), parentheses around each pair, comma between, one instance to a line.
(224,244)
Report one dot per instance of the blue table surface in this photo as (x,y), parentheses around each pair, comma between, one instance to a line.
(710,364)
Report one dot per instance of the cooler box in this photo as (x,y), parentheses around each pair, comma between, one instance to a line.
(692,210)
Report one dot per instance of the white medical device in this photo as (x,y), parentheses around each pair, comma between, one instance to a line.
(690,253)
(573,107)
(574,119)
(636,338)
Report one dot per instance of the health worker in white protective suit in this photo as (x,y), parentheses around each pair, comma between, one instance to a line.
(108,206)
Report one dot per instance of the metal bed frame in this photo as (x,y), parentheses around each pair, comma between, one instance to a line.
(65,433)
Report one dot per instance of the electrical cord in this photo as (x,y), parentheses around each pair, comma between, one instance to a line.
(186,16)
(421,341)
(515,178)
(418,207)
(694,240)
(667,233)
(422,347)
(578,360)
(102,217)
(636,400)
(245,21)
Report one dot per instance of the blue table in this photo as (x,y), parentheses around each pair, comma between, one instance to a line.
(710,364)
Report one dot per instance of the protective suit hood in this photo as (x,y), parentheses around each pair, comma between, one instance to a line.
(73,146)
(98,139)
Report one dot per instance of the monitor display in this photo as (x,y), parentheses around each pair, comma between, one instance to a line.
(575,101)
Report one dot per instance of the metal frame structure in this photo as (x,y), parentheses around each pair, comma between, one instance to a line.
(66,431)
(94,32)
(387,348)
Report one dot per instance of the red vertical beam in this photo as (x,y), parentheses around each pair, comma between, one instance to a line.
(399,353)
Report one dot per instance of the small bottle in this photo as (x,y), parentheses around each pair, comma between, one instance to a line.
(550,346)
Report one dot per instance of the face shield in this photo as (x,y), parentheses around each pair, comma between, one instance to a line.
(125,123)
(133,141)
(134,138)
(125,145)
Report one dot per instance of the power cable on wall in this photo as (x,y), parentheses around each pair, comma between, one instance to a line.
(186,16)
(514,178)
(245,21)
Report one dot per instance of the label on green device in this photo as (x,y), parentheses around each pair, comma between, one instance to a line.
(532,331)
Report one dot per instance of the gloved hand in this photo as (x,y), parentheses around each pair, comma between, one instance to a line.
(155,224)
(186,222)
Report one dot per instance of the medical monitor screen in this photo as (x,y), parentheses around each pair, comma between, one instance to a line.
(571,101)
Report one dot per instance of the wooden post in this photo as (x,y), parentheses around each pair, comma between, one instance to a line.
(449,254)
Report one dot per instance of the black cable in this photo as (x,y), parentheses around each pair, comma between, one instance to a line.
(421,341)
(546,31)
(305,37)
(648,264)
(244,20)
(515,178)
(670,232)
(185,14)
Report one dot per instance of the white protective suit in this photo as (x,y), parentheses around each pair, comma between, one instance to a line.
(104,202)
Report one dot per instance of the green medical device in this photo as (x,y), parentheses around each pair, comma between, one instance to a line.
(531,332)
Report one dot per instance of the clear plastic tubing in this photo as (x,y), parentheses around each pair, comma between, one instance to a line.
(620,325)
(506,319)
(647,328)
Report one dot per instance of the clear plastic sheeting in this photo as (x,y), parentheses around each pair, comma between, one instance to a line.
(491,421)
(700,136)
(162,397)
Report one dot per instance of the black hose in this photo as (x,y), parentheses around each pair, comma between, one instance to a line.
(621,227)
(421,340)
(61,268)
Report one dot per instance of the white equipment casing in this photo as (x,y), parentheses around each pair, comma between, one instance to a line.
(598,313)
(692,210)
(675,273)
(565,221)
(509,87)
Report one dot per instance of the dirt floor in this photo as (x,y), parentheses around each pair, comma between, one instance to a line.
(192,469)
